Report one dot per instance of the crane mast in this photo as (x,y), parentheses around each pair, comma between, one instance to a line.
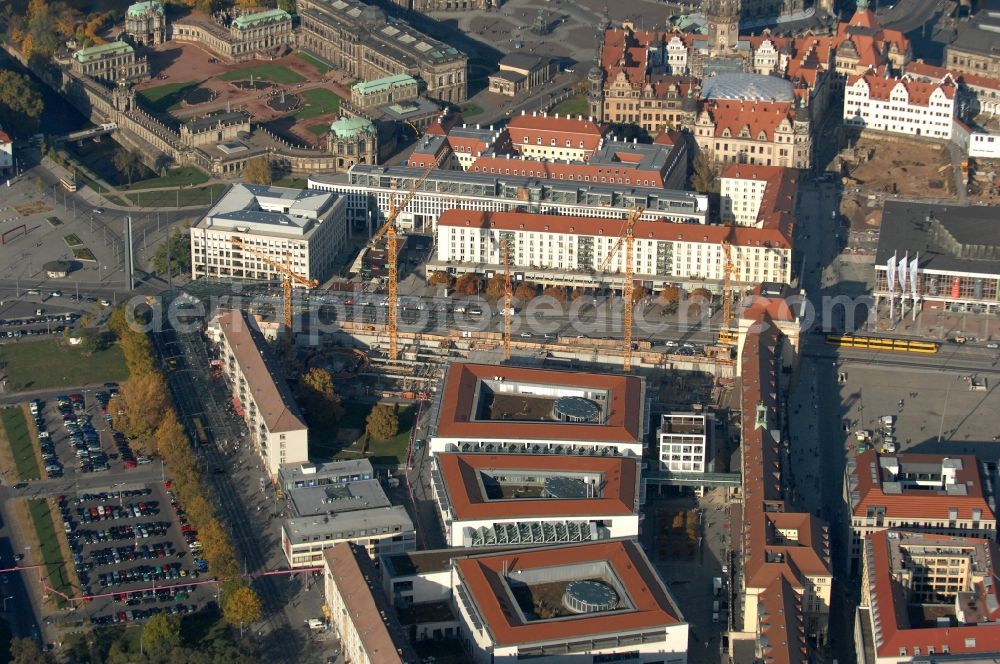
(628,288)
(388,230)
(289,278)
(508,300)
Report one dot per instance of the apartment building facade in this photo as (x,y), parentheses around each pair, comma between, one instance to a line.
(276,430)
(381,531)
(570,250)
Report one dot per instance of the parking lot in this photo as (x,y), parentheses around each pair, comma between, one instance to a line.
(135,553)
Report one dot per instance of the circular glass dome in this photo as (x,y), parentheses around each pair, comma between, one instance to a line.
(575,409)
(589,597)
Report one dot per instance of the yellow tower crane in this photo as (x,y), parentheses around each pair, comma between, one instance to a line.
(388,231)
(628,289)
(289,278)
(729,270)
(508,300)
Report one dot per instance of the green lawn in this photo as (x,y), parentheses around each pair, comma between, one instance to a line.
(51,554)
(21,446)
(174,197)
(84,254)
(577,105)
(468,110)
(319,129)
(54,221)
(164,97)
(389,452)
(263,72)
(40,365)
(318,101)
(318,64)
(72,240)
(177,177)
(295,183)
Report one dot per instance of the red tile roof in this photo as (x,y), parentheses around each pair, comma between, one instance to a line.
(918,68)
(561,170)
(890,612)
(548,127)
(379,633)
(482,577)
(624,406)
(273,398)
(869,39)
(777,205)
(756,116)
(461,476)
(781,625)
(776,566)
(918,92)
(869,475)
(748,236)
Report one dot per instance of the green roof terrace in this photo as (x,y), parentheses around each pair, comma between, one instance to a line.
(248,21)
(94,53)
(381,84)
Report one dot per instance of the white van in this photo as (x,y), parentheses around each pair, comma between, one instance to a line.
(315,624)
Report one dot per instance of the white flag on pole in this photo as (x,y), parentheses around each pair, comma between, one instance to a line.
(890,273)
(913,275)
(903,265)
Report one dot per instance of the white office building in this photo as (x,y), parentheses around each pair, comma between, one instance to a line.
(685,442)
(302,230)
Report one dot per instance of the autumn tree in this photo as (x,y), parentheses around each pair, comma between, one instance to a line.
(41,30)
(701,294)
(171,441)
(320,402)
(382,422)
(160,635)
(440,278)
(670,294)
(525,291)
(242,607)
(258,171)
(556,293)
(138,409)
(495,287)
(705,178)
(20,103)
(469,283)
(639,294)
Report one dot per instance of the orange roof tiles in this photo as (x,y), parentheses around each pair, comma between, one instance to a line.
(889,608)
(549,127)
(482,577)
(461,476)
(561,170)
(777,205)
(871,42)
(456,417)
(757,116)
(779,237)
(271,393)
(782,626)
(380,634)
(924,503)
(918,92)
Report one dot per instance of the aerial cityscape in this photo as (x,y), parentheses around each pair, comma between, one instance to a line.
(481,331)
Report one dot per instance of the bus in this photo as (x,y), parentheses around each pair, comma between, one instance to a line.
(69,184)
(199,431)
(879,343)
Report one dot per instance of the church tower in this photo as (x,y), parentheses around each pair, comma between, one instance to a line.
(723,18)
